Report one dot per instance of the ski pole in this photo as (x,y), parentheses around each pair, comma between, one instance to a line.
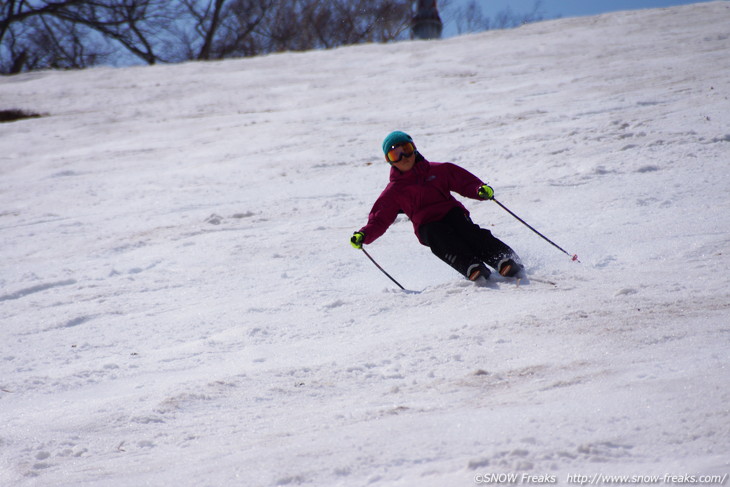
(383,270)
(573,257)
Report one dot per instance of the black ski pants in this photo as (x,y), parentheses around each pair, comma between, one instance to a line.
(459,242)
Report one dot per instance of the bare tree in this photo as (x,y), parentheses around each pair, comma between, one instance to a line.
(314,24)
(471,18)
(133,24)
(39,38)
(236,28)
(78,33)
(216,29)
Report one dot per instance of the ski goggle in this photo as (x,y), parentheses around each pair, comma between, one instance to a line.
(398,152)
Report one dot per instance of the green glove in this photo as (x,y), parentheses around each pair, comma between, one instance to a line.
(356,240)
(486,192)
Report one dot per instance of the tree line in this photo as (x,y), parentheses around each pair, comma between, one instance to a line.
(64,34)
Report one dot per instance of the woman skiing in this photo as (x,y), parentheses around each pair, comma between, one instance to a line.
(422,190)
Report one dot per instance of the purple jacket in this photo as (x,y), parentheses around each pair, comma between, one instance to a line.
(423,194)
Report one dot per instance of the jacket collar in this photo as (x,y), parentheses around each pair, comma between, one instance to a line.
(419,168)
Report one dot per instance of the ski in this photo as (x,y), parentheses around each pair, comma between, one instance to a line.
(524,279)
(543,281)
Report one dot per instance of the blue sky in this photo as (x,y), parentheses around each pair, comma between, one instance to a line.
(571,8)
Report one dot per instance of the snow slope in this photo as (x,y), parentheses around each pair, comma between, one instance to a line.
(180,305)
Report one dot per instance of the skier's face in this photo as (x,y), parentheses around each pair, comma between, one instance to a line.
(402,156)
(406,163)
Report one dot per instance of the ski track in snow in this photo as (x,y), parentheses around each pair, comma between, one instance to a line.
(180,305)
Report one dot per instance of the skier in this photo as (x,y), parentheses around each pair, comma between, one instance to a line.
(422,190)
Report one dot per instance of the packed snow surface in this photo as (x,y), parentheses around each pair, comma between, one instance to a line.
(180,304)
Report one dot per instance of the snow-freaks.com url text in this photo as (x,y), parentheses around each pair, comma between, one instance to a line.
(600,479)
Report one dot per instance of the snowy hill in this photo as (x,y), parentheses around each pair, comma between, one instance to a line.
(179,304)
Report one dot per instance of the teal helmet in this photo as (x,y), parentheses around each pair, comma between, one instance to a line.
(395,138)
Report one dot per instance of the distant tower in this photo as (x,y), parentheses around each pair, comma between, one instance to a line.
(427,23)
